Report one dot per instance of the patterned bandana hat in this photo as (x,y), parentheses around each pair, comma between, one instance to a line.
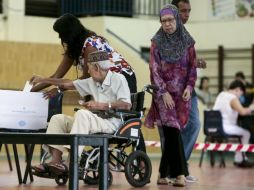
(97,56)
(172,47)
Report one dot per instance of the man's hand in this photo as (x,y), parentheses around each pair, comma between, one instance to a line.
(51,93)
(92,105)
(186,95)
(168,101)
(201,63)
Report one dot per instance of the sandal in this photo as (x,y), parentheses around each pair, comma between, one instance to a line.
(58,168)
(162,180)
(41,168)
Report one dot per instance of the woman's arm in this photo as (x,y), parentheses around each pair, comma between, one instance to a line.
(237,106)
(154,66)
(62,69)
(156,77)
(62,83)
(192,73)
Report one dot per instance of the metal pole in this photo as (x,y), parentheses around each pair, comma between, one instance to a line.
(220,68)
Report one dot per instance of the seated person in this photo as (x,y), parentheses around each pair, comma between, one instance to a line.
(108,89)
(228,104)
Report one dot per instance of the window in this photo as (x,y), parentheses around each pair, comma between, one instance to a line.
(47,8)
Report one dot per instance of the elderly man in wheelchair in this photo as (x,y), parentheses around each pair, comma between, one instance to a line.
(110,92)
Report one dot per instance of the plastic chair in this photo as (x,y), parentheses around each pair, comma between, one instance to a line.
(55,105)
(214,133)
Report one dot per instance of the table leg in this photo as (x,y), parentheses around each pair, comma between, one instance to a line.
(73,166)
(103,175)
(8,156)
(29,156)
(17,163)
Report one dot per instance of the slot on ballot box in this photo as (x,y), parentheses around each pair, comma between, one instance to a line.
(21,110)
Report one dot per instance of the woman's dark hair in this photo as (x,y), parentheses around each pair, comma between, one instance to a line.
(237,84)
(202,81)
(240,75)
(73,34)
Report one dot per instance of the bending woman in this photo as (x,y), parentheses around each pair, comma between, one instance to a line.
(78,42)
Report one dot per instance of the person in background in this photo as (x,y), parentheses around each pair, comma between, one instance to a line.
(78,42)
(247,98)
(109,91)
(227,102)
(203,92)
(173,71)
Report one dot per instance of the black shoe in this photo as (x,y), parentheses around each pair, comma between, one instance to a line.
(244,164)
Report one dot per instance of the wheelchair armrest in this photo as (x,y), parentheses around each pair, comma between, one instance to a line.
(150,88)
(114,113)
(103,113)
(127,112)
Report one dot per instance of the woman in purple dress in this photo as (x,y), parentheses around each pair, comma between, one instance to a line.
(173,71)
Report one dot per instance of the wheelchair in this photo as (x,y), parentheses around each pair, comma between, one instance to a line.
(135,164)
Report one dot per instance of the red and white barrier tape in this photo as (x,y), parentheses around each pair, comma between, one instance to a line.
(214,146)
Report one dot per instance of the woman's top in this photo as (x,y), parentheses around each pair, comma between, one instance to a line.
(118,62)
(173,78)
(223,104)
(205,96)
(173,70)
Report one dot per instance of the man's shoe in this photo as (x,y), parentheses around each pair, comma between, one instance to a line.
(244,164)
(191,179)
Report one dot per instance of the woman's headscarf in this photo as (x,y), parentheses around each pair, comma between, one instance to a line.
(172,47)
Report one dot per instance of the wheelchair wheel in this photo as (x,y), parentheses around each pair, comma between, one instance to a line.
(61,180)
(92,178)
(138,169)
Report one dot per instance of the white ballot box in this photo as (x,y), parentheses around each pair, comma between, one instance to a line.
(23,110)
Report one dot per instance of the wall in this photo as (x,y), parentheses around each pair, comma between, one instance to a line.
(208,35)
(135,31)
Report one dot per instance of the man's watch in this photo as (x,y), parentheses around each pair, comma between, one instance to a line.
(58,90)
(109,106)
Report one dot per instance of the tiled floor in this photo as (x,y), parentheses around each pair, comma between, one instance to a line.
(229,178)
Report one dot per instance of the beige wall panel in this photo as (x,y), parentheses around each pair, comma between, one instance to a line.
(19,61)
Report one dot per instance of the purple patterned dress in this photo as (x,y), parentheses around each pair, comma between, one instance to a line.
(172,78)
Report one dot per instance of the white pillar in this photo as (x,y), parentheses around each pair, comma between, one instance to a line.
(13,20)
